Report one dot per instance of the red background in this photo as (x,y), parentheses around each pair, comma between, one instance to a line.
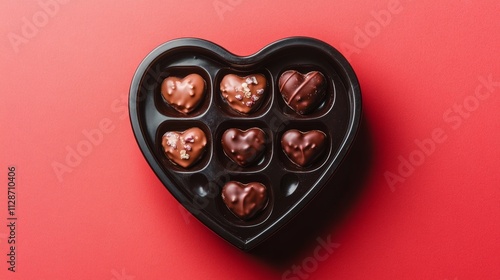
(67,67)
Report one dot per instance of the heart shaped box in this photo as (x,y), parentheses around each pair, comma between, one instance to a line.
(289,186)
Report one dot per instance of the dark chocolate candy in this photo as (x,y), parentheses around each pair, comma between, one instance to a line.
(302,148)
(186,147)
(184,95)
(243,94)
(244,200)
(244,147)
(302,93)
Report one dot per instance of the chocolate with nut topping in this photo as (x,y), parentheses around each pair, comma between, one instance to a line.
(243,94)
(184,148)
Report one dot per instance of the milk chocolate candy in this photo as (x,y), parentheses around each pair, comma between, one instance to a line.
(184,95)
(243,94)
(184,148)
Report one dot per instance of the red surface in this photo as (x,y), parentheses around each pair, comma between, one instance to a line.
(66,71)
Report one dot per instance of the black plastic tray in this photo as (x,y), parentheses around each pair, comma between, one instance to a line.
(290,187)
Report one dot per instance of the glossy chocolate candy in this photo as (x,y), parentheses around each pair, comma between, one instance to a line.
(302,93)
(243,94)
(244,200)
(244,147)
(184,95)
(302,148)
(184,148)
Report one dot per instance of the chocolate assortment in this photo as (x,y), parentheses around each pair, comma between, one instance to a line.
(244,143)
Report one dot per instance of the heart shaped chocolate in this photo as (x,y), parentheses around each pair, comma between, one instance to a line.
(244,147)
(243,94)
(184,148)
(197,177)
(244,200)
(302,93)
(302,148)
(184,95)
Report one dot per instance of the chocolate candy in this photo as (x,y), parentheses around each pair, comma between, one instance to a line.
(244,147)
(184,95)
(243,94)
(302,93)
(302,148)
(244,200)
(184,148)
